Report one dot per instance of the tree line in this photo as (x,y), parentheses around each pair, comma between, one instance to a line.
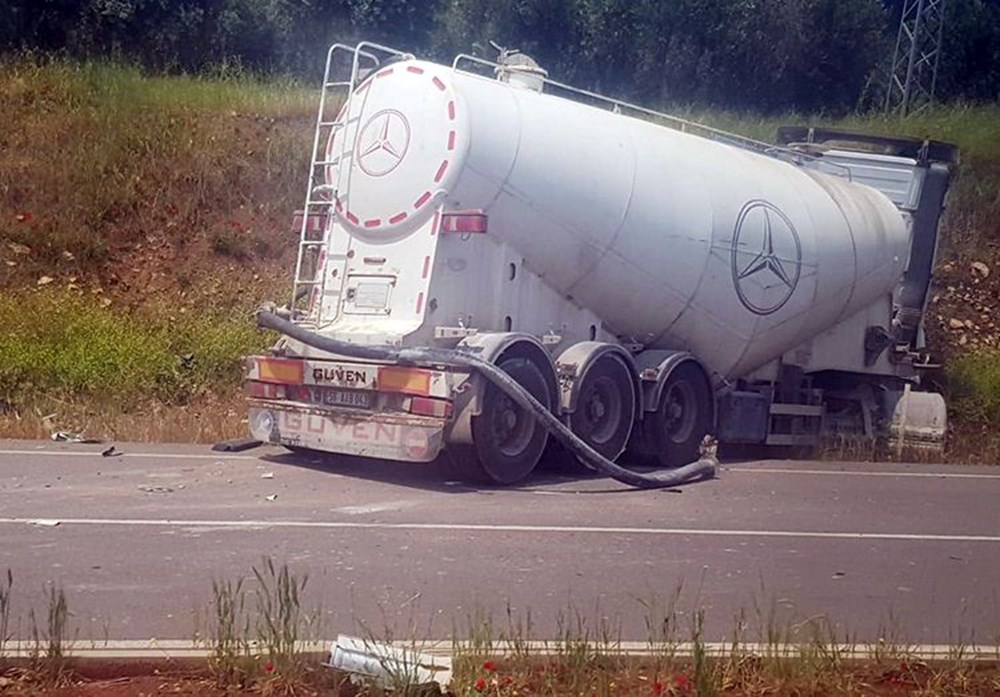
(758,55)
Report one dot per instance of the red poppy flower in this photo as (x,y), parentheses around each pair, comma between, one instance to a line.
(480,684)
(657,688)
(268,667)
(489,666)
(682,682)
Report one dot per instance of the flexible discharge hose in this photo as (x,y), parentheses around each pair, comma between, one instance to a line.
(704,468)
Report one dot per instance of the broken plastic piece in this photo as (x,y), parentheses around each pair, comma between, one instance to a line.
(389,666)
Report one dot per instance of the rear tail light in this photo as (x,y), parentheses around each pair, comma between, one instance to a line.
(287,371)
(265,390)
(425,406)
(464,222)
(415,381)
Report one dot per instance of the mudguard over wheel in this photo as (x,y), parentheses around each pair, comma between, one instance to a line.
(672,435)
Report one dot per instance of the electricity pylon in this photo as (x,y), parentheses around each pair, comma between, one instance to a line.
(915,60)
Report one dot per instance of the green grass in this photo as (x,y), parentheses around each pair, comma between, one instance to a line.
(97,156)
(975,386)
(62,342)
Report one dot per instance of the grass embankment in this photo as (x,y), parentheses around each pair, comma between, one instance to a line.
(142,218)
(159,207)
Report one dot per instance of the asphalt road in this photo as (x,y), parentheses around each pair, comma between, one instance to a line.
(907,552)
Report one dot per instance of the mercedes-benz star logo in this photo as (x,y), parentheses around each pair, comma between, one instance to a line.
(383,142)
(766,258)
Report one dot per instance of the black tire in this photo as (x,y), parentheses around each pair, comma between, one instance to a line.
(673,433)
(507,441)
(605,407)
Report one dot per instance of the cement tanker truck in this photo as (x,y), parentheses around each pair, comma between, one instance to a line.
(646,279)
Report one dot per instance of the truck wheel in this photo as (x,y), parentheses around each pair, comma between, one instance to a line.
(605,407)
(675,430)
(508,441)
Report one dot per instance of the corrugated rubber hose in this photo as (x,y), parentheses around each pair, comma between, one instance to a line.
(704,468)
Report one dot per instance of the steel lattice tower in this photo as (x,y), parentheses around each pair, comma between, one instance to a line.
(915,60)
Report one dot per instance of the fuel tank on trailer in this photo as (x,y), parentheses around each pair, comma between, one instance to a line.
(675,241)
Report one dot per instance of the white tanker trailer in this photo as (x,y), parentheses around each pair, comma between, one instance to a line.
(648,280)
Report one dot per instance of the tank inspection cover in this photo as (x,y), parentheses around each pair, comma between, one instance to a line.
(766,258)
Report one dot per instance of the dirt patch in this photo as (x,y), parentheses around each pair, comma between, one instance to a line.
(742,677)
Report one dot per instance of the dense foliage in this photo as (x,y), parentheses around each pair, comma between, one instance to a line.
(765,55)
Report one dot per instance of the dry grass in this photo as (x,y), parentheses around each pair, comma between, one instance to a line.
(208,418)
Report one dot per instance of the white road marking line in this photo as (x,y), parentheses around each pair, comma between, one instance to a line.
(857,473)
(375,507)
(470,527)
(127,453)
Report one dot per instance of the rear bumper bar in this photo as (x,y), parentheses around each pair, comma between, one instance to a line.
(384,435)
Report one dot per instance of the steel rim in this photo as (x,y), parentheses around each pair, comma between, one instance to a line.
(510,427)
(602,407)
(680,411)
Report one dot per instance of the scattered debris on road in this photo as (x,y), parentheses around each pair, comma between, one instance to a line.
(69,437)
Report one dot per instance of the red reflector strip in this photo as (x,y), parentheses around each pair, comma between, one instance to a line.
(425,406)
(265,390)
(464,221)
(315,222)
(280,370)
(415,381)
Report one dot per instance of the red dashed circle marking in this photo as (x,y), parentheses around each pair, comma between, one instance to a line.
(422,200)
(441,170)
(438,175)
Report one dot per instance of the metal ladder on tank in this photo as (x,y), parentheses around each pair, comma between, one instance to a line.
(322,195)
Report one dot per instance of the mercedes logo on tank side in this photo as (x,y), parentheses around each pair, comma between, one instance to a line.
(766,258)
(383,143)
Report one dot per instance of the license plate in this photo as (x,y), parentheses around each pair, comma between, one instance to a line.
(345,398)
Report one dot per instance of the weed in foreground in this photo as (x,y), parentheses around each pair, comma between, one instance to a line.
(49,655)
(6,584)
(230,661)
(280,619)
